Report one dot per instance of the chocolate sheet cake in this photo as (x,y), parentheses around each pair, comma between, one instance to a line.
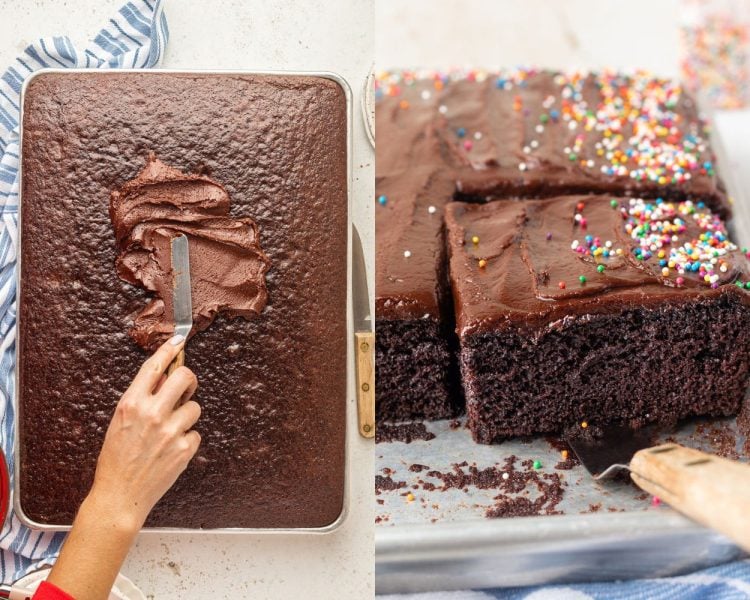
(273,387)
(596,309)
(481,136)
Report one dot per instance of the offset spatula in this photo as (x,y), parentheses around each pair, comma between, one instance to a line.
(711,490)
(182,302)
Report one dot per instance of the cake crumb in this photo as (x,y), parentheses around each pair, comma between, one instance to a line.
(387,484)
(402,432)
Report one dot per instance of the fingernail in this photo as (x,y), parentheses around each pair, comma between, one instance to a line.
(177,339)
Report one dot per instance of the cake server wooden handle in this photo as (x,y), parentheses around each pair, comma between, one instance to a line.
(711,490)
(365,352)
(178,362)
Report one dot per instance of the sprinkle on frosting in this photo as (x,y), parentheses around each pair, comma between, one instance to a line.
(658,231)
(634,130)
(653,148)
(657,227)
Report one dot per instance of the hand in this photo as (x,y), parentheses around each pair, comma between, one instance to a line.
(149,442)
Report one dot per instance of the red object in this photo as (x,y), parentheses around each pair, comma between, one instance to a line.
(4,488)
(47,591)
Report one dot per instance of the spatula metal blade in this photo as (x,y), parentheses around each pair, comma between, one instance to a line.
(182,298)
(616,445)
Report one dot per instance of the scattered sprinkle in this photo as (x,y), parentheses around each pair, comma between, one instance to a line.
(407,253)
(715,52)
(431,210)
(382,199)
(482,263)
(584,425)
(537,465)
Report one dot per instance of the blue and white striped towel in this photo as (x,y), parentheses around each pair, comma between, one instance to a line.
(135,37)
(725,582)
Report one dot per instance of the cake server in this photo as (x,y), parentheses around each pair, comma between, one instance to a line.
(364,340)
(182,302)
(711,490)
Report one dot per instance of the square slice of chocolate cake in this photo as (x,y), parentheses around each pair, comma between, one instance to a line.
(597,309)
(535,133)
(415,359)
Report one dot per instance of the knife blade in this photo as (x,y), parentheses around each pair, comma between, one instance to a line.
(182,302)
(360,294)
(364,337)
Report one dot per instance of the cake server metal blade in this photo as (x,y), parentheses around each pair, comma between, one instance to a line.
(182,306)
(610,446)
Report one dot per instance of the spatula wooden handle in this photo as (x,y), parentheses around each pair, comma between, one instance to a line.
(711,490)
(178,361)
(365,352)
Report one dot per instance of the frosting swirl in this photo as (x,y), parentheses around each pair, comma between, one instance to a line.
(227,264)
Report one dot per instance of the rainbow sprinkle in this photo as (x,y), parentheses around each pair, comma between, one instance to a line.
(636,125)
(715,52)
(637,128)
(657,227)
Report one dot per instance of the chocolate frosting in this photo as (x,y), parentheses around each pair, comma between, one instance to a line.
(533,254)
(536,134)
(227,264)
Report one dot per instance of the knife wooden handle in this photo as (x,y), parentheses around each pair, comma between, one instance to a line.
(365,351)
(178,361)
(711,490)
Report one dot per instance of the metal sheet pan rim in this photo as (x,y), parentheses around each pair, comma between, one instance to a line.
(411,541)
(350,407)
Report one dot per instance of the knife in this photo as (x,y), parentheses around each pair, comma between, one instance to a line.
(364,338)
(182,303)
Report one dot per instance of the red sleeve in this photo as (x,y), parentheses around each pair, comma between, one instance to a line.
(47,591)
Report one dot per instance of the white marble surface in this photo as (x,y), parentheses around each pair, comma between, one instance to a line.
(557,33)
(234,34)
